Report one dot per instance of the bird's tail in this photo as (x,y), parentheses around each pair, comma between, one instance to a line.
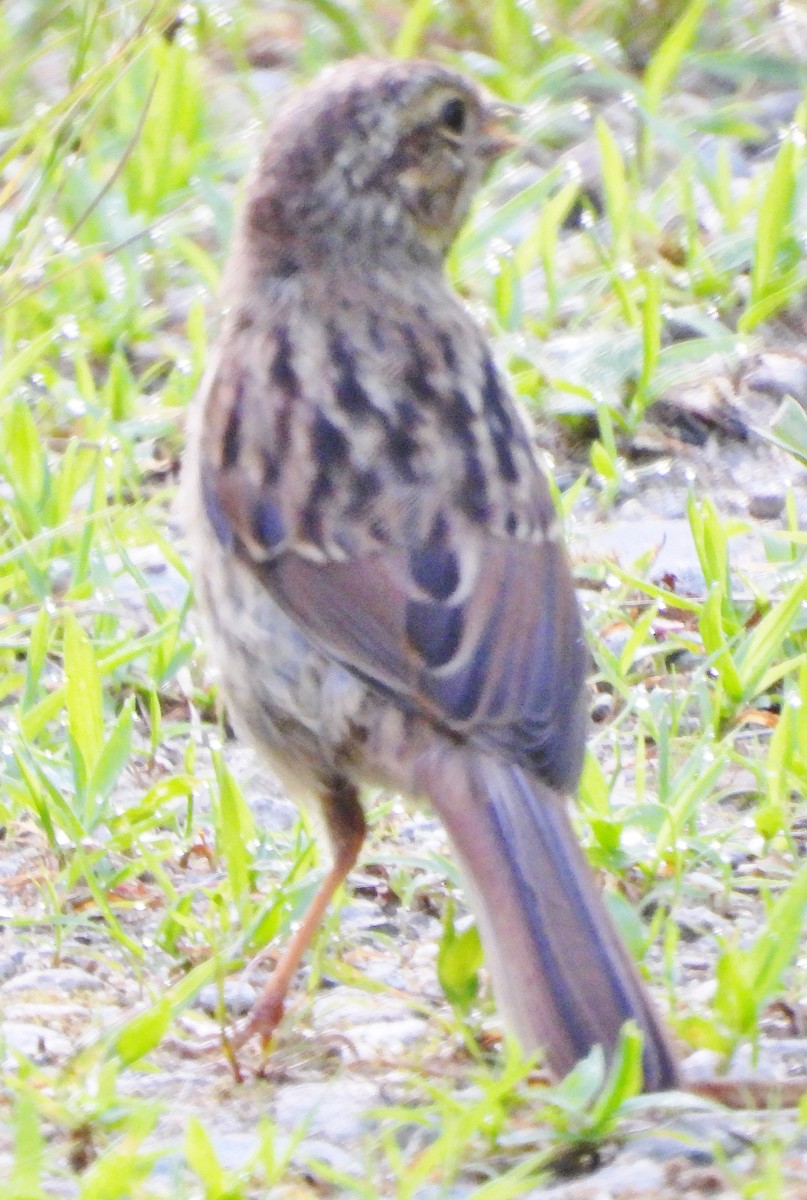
(561,974)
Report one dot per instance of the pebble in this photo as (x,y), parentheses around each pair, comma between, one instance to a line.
(697,964)
(683,660)
(48,1013)
(779,375)
(12,863)
(701,1064)
(633,1178)
(696,921)
(766,506)
(696,1136)
(774,1059)
(34,1041)
(54,979)
(10,964)
(239,996)
(390,1038)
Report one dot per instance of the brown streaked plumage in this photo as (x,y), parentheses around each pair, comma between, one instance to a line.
(376,553)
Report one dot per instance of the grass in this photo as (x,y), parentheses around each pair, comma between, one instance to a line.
(124,132)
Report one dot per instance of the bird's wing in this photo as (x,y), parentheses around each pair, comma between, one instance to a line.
(397,514)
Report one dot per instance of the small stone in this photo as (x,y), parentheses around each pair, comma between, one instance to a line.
(29,1014)
(696,964)
(696,921)
(34,1041)
(12,863)
(773,1058)
(779,374)
(766,506)
(701,1180)
(701,1064)
(10,964)
(699,992)
(632,1177)
(682,660)
(603,708)
(54,979)
(239,997)
(391,1037)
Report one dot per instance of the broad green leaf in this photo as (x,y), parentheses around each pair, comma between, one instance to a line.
(25,455)
(716,643)
(691,786)
(35,658)
(780,939)
(789,428)
(84,696)
(748,977)
(774,220)
(459,958)
(593,788)
(236,832)
(417,19)
(52,807)
(639,637)
(667,60)
(202,1159)
(143,1032)
(651,333)
(759,651)
(29,1150)
(37,717)
(617,192)
(623,1081)
(24,360)
(114,755)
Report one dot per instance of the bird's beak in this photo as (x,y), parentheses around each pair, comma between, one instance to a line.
(496,135)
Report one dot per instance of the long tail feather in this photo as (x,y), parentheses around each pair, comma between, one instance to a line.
(560,971)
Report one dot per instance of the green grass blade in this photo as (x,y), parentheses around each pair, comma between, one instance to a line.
(668,58)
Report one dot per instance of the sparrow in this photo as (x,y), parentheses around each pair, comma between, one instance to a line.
(379,564)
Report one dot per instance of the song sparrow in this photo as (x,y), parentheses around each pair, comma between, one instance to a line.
(376,553)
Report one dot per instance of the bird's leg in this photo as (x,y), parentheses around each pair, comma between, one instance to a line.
(346,827)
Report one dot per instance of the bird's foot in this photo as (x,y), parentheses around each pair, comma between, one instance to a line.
(261,1023)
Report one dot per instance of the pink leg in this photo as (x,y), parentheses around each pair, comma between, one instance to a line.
(346,827)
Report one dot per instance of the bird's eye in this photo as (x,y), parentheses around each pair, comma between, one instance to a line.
(453,115)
